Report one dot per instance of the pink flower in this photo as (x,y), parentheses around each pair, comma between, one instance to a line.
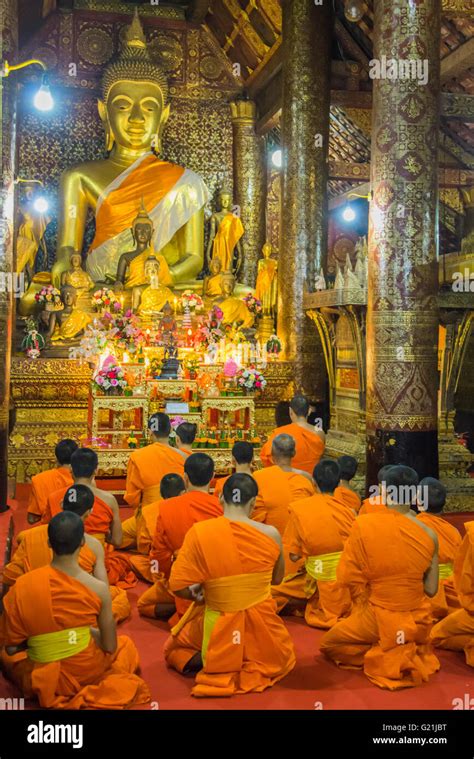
(114,382)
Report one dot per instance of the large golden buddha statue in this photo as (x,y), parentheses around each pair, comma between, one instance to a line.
(134,111)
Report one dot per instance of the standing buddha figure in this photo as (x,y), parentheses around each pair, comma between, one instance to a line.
(226,229)
(266,285)
(134,111)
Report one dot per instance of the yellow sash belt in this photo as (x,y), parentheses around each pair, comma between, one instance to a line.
(445,570)
(323,567)
(55,646)
(231,594)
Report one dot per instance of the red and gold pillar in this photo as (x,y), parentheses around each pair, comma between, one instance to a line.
(402,315)
(8,48)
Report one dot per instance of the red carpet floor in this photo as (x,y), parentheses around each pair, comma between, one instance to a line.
(314,683)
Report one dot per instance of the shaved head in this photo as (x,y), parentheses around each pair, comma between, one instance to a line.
(283,446)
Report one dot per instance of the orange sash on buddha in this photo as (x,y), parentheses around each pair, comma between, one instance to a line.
(45,483)
(146,469)
(227,236)
(247,646)
(47,600)
(309,447)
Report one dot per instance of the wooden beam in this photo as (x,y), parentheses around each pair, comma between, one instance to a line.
(268,68)
(339,200)
(458,61)
(457,106)
(197,11)
(456,8)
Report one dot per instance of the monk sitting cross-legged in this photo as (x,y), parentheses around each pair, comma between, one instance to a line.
(376,501)
(53,479)
(242,457)
(34,551)
(390,565)
(317,530)
(176,517)
(148,465)
(456,631)
(309,441)
(343,492)
(280,484)
(235,641)
(432,497)
(104,521)
(171,486)
(60,635)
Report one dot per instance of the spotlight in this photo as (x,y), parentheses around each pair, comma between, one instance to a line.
(41,205)
(354,10)
(348,213)
(277,158)
(43,100)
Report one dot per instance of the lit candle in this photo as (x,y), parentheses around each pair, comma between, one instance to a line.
(126,358)
(121,302)
(147,337)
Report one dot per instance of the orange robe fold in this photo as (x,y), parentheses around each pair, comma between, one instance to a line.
(372,505)
(348,497)
(229,232)
(34,552)
(46,600)
(276,490)
(45,483)
(146,469)
(318,525)
(249,648)
(144,525)
(98,523)
(456,631)
(177,515)
(309,447)
(449,541)
(387,633)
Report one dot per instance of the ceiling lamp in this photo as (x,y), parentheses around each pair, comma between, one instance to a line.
(354,10)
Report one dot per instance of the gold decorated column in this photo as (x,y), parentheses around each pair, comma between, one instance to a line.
(307,36)
(249,184)
(467,243)
(402,316)
(8,47)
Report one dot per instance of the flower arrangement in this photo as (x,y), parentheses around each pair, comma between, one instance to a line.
(192,301)
(230,368)
(211,331)
(274,345)
(104,299)
(253,304)
(191,365)
(124,331)
(50,297)
(156,365)
(92,345)
(33,343)
(111,376)
(251,379)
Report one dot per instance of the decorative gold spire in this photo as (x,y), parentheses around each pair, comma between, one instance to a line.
(142,216)
(134,62)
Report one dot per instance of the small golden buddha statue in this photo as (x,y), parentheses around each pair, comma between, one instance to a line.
(78,278)
(131,266)
(70,321)
(234,310)
(134,111)
(225,232)
(212,287)
(266,285)
(153,298)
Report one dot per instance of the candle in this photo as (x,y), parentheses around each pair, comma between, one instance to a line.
(121,302)
(147,336)
(126,358)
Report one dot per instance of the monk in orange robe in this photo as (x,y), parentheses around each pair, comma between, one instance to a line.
(235,642)
(389,563)
(456,631)
(433,498)
(176,517)
(60,635)
(280,484)
(317,530)
(171,486)
(33,551)
(104,521)
(344,493)
(242,458)
(375,503)
(53,479)
(148,465)
(309,440)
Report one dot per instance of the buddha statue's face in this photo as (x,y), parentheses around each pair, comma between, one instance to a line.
(267,250)
(215,266)
(225,200)
(227,286)
(143,232)
(76,261)
(69,298)
(134,112)
(152,270)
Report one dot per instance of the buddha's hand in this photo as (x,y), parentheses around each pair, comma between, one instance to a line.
(118,286)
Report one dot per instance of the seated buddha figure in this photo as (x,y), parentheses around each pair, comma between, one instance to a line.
(134,111)
(234,310)
(153,298)
(70,321)
(131,266)
(78,278)
(212,287)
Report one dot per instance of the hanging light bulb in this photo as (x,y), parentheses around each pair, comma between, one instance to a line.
(41,205)
(277,158)
(43,100)
(354,10)
(348,213)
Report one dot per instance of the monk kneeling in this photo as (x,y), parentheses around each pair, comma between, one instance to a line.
(60,637)
(390,564)
(232,635)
